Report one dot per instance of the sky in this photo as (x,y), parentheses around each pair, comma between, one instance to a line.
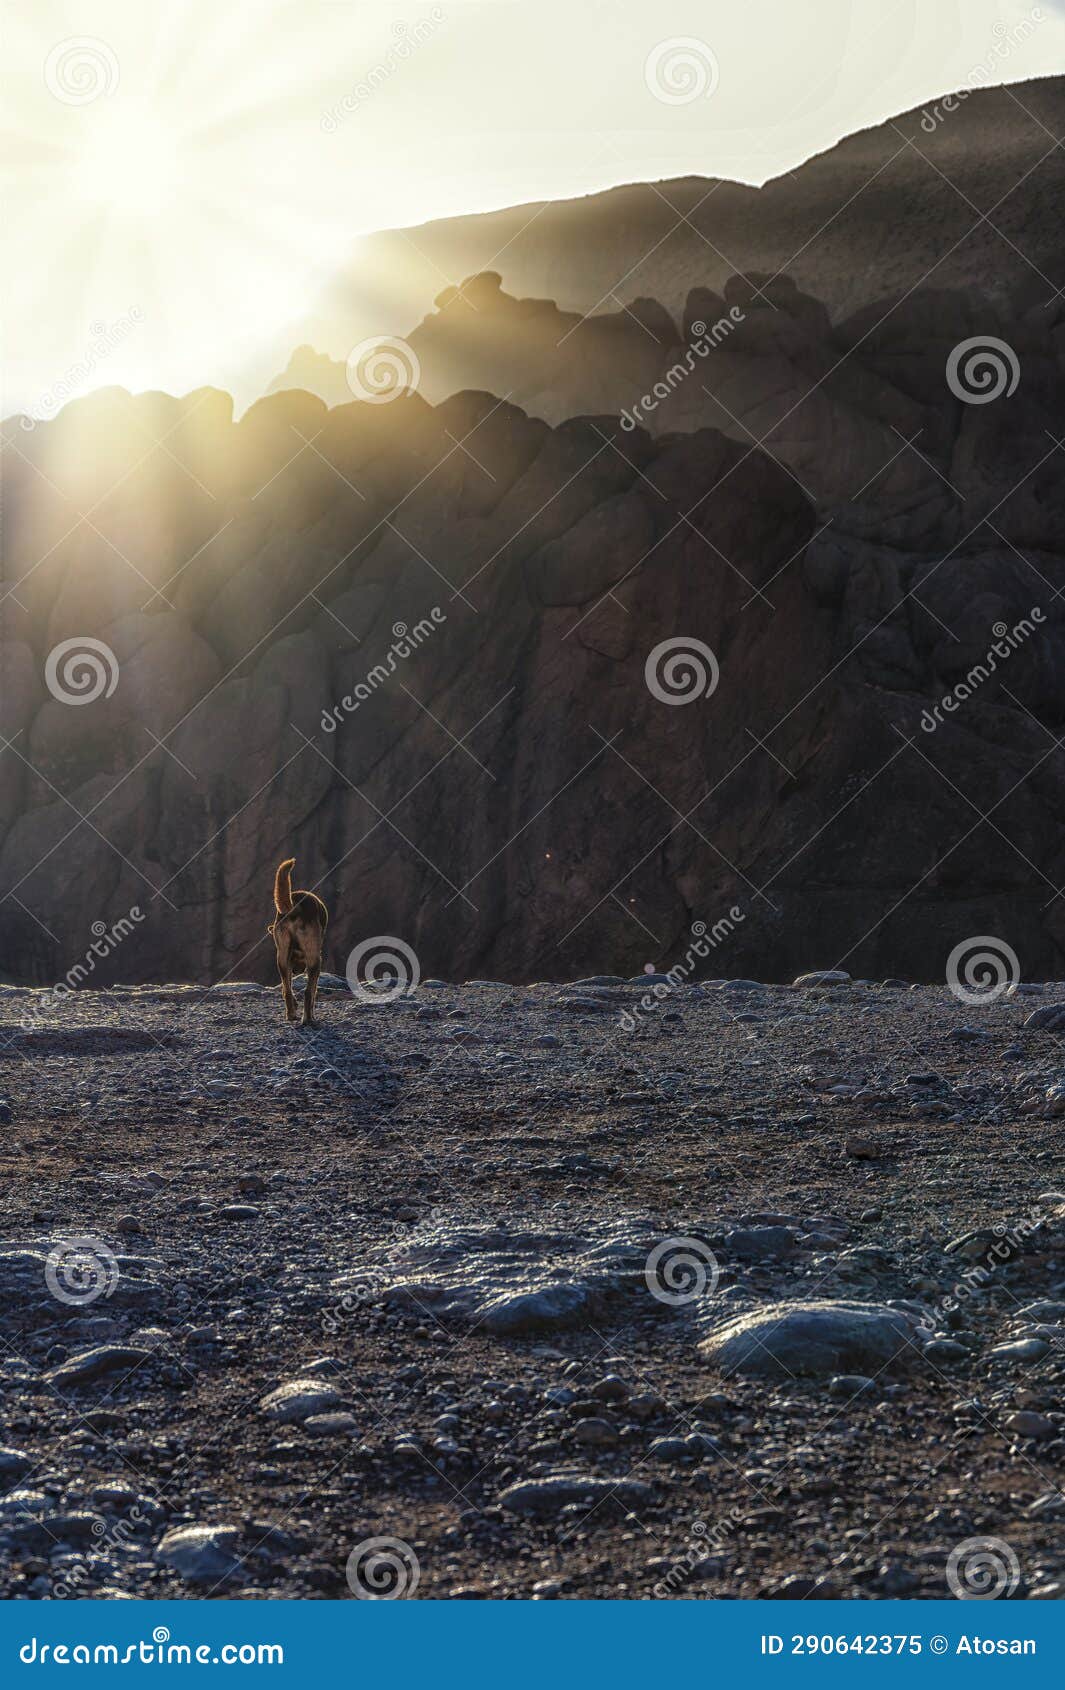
(181,177)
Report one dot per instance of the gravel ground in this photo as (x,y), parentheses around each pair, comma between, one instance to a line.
(755,1293)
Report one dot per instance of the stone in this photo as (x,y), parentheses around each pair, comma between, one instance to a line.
(1048,1018)
(1020,1350)
(13,1464)
(103,1362)
(331,1425)
(851,1385)
(200,1554)
(543,1497)
(818,1338)
(300,1399)
(595,1434)
(1027,1424)
(944,1352)
(611,1388)
(761,1243)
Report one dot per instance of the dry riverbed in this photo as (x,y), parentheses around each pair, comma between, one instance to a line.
(765,1296)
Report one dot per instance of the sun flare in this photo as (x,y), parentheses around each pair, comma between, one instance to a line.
(132,164)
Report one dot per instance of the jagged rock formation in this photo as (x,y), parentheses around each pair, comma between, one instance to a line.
(889,209)
(503,790)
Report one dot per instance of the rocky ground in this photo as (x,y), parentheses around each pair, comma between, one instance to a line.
(761,1295)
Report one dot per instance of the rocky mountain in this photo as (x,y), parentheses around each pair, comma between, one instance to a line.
(960,193)
(437,653)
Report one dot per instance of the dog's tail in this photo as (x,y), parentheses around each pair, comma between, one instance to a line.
(283,886)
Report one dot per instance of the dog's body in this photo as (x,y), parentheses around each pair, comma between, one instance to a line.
(299,937)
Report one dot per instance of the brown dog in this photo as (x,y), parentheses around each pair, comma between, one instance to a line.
(299,938)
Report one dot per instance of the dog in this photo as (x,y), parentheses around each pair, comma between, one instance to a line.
(298,931)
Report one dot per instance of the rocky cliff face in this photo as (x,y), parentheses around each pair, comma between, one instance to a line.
(418,648)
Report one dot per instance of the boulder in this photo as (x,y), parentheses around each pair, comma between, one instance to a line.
(819,1339)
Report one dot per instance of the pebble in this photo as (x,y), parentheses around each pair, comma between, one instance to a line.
(1028,1424)
(200,1554)
(850,1385)
(98,1363)
(546,1496)
(945,1351)
(331,1425)
(1020,1349)
(300,1399)
(596,1434)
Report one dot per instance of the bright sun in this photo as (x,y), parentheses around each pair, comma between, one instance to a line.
(175,195)
(131,164)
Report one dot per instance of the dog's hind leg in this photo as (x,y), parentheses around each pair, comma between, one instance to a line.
(313,971)
(285,971)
